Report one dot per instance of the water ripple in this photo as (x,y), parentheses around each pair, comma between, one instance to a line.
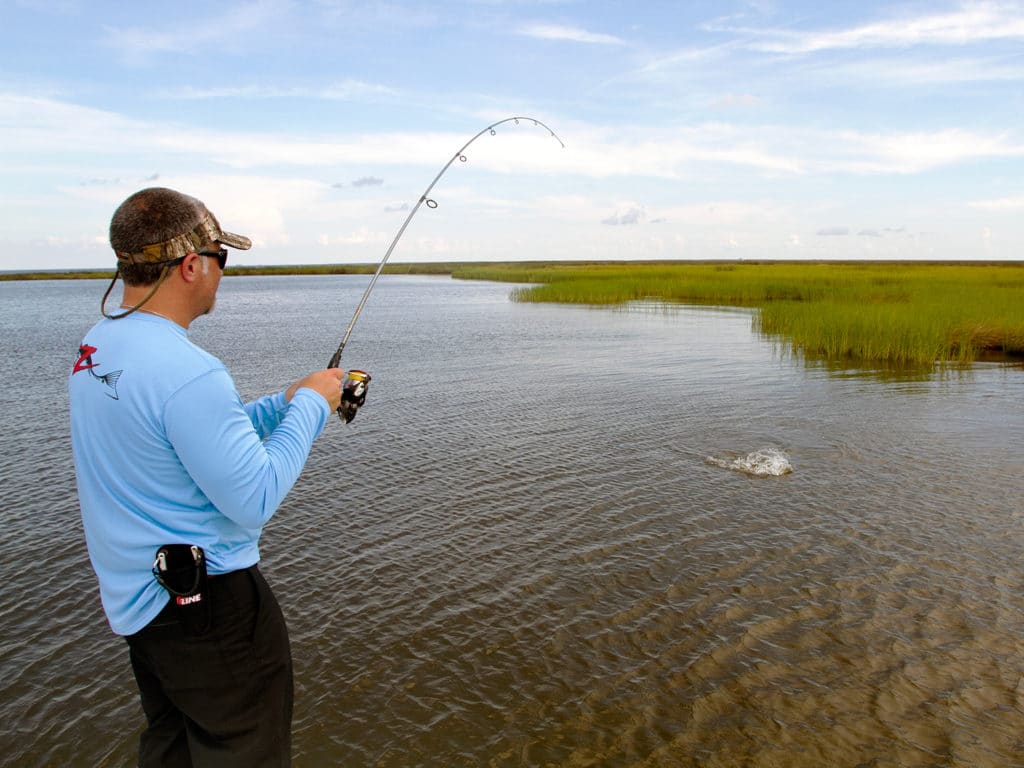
(482,570)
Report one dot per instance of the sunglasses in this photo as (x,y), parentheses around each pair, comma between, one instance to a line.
(221,255)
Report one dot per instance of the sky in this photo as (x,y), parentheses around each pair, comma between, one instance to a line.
(732,129)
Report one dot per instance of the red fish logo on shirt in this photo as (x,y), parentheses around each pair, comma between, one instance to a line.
(85,363)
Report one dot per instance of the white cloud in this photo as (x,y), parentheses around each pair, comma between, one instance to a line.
(38,125)
(343,90)
(1000,204)
(972,22)
(361,236)
(632,215)
(902,71)
(234,24)
(45,126)
(683,59)
(433,245)
(912,152)
(667,153)
(81,241)
(735,101)
(728,213)
(898,52)
(573,34)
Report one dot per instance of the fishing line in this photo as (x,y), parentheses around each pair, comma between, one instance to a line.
(347,414)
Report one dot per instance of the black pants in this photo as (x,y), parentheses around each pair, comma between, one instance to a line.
(224,698)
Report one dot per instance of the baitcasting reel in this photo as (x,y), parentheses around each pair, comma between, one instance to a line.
(353,394)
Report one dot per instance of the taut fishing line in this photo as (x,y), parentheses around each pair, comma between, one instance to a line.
(356,382)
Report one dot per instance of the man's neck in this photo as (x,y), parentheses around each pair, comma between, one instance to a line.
(159,305)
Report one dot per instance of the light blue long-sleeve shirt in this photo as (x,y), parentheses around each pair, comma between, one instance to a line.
(166,452)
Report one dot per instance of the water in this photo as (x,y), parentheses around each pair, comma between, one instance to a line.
(547,540)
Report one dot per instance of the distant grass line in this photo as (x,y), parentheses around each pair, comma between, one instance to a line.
(234,271)
(895,312)
(77,274)
(903,313)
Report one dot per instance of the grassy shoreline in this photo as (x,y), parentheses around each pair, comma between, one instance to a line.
(902,313)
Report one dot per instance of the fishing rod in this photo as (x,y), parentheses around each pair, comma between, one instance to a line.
(356,382)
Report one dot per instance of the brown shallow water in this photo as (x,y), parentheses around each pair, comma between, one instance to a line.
(529,548)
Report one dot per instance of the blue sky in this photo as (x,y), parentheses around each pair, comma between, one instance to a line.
(692,130)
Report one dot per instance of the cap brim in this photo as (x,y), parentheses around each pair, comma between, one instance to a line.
(201,235)
(234,241)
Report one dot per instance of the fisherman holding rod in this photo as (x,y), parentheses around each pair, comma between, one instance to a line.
(176,479)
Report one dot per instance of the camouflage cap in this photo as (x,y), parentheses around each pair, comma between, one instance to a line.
(201,235)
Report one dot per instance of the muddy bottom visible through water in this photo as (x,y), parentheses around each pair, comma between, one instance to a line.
(568,537)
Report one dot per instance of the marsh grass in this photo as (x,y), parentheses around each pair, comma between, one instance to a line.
(901,313)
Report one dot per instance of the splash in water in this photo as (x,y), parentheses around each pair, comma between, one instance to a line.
(765,462)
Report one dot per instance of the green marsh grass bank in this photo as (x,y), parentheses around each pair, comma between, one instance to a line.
(900,313)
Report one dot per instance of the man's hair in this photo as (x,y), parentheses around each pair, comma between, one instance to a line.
(148,217)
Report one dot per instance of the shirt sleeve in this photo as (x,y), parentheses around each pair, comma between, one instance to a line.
(266,413)
(219,445)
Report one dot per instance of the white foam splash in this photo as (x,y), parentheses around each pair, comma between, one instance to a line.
(764,462)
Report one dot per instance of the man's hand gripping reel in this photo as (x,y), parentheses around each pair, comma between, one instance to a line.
(353,394)
(353,390)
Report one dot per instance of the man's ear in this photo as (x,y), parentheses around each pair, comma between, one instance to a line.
(190,268)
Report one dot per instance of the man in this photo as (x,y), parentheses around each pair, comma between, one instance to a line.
(166,454)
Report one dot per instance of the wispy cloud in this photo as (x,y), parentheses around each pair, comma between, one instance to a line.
(999,204)
(367,181)
(904,51)
(688,57)
(916,151)
(901,71)
(232,24)
(573,34)
(728,101)
(117,181)
(361,236)
(632,215)
(971,22)
(30,124)
(344,90)
(38,125)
